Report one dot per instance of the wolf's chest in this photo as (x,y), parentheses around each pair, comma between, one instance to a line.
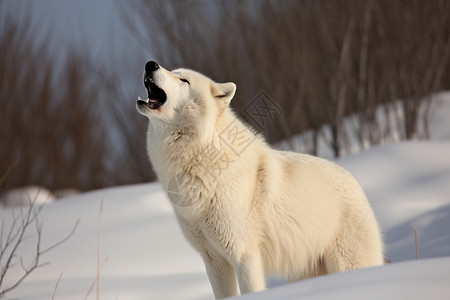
(210,228)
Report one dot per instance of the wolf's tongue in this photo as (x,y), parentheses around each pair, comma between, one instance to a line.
(153,103)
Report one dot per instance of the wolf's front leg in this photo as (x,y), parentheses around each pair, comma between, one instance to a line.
(250,273)
(221,275)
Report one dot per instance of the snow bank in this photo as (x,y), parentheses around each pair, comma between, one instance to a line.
(146,257)
(25,195)
(422,279)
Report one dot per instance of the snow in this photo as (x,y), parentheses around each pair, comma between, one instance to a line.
(23,196)
(145,256)
(408,186)
(422,279)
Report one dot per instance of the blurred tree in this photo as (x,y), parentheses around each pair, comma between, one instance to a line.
(50,124)
(315,61)
(318,60)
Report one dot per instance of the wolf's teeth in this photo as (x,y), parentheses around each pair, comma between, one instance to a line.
(146,100)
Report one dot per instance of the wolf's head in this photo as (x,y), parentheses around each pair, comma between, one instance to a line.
(183,97)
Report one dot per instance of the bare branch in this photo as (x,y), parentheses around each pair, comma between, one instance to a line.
(74,228)
(16,237)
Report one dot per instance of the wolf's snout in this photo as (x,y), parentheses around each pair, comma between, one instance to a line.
(151,66)
(156,96)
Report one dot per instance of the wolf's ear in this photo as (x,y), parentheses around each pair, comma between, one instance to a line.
(223,92)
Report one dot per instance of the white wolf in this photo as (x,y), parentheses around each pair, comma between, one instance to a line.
(250,210)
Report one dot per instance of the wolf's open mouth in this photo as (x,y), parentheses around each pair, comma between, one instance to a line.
(156,96)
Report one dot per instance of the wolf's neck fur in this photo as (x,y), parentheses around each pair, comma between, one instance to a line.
(180,150)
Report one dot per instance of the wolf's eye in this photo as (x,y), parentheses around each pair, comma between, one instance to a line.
(185,80)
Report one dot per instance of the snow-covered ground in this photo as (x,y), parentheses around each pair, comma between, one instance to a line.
(145,256)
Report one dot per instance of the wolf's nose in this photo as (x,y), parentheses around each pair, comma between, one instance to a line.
(151,66)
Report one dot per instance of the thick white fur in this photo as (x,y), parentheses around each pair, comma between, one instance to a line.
(269,211)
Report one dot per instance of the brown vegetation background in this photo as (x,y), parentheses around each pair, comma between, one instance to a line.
(64,123)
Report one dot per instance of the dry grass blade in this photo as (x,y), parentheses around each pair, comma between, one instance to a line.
(98,248)
(8,171)
(416,243)
(56,286)
(96,281)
